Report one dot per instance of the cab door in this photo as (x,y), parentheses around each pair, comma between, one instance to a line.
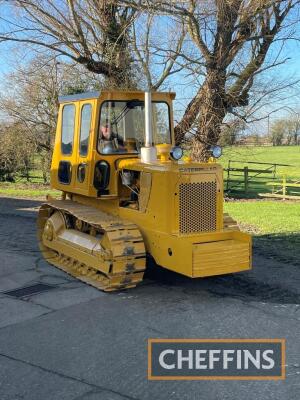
(84,146)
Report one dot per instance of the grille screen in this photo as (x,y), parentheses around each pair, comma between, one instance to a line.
(197,207)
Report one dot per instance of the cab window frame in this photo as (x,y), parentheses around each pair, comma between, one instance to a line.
(62,129)
(122,101)
(89,132)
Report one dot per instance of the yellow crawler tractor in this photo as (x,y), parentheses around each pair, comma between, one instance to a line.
(127,192)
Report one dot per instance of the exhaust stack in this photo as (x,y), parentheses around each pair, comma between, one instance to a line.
(149,152)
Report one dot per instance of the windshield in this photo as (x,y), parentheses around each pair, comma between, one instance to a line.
(122,126)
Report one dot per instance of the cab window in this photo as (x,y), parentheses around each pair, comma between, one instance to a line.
(86,113)
(67,134)
(122,126)
(161,123)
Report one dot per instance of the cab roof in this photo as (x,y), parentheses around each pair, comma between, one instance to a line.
(98,93)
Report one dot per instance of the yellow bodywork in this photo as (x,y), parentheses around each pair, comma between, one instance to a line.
(179,210)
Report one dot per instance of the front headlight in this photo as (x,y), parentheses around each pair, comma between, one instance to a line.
(176,153)
(216,151)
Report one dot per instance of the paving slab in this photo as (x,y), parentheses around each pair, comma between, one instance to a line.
(10,262)
(66,296)
(22,381)
(102,395)
(104,342)
(19,279)
(31,270)
(13,311)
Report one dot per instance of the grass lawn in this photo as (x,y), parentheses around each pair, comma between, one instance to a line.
(279,154)
(27,189)
(267,216)
(275,225)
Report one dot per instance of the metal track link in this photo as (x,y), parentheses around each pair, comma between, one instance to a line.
(116,262)
(229,224)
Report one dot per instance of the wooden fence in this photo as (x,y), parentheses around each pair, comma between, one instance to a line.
(249,177)
(286,190)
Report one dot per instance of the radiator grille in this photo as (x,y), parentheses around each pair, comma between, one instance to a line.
(197,207)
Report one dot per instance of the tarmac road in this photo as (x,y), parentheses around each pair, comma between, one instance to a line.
(75,342)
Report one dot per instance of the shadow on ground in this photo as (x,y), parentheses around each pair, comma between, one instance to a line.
(22,207)
(284,247)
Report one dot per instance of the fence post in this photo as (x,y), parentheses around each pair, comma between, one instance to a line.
(246,174)
(228,175)
(284,186)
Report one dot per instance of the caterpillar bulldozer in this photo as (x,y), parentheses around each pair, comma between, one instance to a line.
(128,193)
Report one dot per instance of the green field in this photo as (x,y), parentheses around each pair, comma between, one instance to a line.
(289,155)
(27,190)
(277,154)
(266,216)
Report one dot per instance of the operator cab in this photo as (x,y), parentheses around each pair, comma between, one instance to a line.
(97,130)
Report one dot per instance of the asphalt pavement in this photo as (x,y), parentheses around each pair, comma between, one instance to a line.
(75,342)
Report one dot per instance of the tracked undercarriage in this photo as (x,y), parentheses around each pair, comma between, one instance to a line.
(102,250)
(95,247)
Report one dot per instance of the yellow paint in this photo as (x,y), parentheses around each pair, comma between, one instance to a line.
(195,254)
(187,159)
(163,151)
(212,160)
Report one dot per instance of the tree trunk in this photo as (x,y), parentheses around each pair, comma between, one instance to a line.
(211,112)
(188,118)
(116,47)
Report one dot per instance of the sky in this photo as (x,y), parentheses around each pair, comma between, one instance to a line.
(185,88)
